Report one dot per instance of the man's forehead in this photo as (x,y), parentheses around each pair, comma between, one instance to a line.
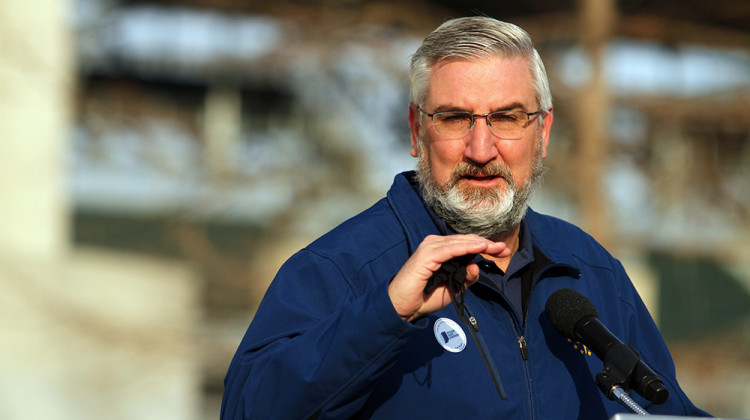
(510,106)
(497,83)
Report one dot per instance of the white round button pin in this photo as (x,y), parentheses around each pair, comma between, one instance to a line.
(449,335)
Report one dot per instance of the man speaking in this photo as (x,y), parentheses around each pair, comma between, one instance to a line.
(430,304)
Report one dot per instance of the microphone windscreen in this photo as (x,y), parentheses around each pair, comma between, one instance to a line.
(565,307)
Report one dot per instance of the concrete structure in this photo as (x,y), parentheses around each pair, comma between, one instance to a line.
(86,333)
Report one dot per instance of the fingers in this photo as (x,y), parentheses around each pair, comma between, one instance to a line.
(407,287)
(440,249)
(497,249)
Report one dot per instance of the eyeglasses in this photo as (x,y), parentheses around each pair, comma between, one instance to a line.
(507,125)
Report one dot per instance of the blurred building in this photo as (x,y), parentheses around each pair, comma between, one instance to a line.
(182,149)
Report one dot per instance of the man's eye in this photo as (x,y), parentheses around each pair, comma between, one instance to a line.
(506,118)
(454,118)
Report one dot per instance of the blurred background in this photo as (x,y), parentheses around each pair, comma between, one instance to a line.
(161,158)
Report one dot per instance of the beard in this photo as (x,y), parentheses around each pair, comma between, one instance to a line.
(487,212)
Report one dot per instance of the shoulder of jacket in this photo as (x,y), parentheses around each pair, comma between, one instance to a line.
(566,242)
(361,239)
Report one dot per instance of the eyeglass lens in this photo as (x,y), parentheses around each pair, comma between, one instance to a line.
(506,125)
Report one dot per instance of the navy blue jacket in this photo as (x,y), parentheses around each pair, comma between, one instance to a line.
(326,341)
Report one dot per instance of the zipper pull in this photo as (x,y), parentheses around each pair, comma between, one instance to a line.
(471,319)
(474,323)
(524,350)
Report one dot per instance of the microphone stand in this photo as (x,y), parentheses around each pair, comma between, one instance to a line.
(619,366)
(624,398)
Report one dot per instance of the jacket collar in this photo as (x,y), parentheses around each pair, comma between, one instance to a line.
(541,239)
(410,210)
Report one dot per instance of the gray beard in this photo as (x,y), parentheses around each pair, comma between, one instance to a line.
(490,213)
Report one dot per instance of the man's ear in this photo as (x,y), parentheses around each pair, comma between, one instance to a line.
(546,128)
(414,127)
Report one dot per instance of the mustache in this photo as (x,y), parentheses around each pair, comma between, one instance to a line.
(465,169)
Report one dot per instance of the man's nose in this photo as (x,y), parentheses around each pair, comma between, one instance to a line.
(480,146)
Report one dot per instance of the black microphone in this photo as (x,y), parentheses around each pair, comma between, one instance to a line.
(574,316)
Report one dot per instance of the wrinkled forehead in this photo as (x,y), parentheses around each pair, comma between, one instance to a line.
(491,83)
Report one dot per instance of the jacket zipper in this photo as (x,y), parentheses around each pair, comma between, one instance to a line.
(522,346)
(521,329)
(523,349)
(473,325)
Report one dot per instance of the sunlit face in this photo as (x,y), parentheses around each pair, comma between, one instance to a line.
(476,171)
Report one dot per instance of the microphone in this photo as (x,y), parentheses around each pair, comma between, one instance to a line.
(574,316)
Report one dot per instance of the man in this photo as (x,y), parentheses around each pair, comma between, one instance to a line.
(352,326)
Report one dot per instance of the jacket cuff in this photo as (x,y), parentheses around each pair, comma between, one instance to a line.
(390,319)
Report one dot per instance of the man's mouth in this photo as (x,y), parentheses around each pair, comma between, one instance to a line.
(482,180)
(481,177)
(490,176)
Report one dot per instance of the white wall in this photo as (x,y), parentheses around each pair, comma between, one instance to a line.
(84,333)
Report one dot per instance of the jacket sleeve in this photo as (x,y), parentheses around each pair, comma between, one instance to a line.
(314,346)
(643,334)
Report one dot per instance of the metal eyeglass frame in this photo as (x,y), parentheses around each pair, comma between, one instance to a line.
(529,120)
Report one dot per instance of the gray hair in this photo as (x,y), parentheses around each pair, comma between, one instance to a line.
(471,38)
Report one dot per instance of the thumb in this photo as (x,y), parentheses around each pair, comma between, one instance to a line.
(472,274)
